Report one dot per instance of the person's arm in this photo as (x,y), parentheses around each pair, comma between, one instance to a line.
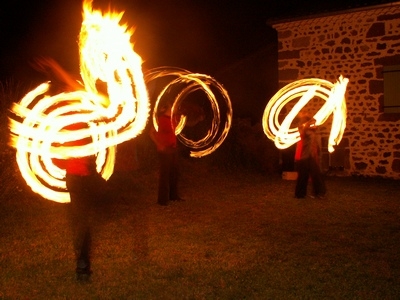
(47,65)
(153,135)
(303,127)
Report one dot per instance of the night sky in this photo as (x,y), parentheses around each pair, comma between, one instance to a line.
(201,36)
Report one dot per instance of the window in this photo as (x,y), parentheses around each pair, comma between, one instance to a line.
(391,89)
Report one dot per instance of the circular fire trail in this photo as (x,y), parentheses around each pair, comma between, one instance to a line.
(189,115)
(304,91)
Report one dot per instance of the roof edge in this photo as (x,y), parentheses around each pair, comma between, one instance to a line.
(275,21)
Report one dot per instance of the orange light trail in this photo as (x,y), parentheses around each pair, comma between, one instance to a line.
(192,82)
(303,91)
(37,131)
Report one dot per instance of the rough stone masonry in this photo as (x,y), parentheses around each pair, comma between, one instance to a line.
(356,44)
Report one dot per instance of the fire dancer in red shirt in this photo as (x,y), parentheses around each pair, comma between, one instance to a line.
(166,142)
(307,159)
(84,184)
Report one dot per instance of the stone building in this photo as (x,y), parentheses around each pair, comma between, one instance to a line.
(363,45)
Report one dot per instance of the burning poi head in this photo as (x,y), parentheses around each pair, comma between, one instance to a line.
(301,92)
(112,117)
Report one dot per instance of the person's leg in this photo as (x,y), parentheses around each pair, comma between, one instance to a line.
(173,178)
(163,180)
(318,181)
(79,217)
(302,178)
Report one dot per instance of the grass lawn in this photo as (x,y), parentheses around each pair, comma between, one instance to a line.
(238,235)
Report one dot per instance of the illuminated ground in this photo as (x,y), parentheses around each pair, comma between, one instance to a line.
(238,235)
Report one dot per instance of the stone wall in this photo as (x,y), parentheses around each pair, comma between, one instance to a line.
(355,44)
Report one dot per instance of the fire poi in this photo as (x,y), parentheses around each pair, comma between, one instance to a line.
(220,106)
(37,129)
(303,91)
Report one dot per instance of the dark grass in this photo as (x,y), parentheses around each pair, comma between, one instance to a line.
(238,235)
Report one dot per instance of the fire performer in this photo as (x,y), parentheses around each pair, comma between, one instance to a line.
(166,143)
(84,184)
(111,104)
(307,158)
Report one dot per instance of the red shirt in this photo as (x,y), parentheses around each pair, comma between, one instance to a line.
(165,136)
(81,166)
(308,144)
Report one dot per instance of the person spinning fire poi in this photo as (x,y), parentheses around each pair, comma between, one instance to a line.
(307,158)
(166,143)
(84,184)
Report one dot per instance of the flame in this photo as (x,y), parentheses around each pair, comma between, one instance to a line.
(306,89)
(193,82)
(114,116)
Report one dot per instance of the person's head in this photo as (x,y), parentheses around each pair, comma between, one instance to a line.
(303,117)
(165,109)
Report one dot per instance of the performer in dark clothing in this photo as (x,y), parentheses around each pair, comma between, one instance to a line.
(166,142)
(85,185)
(307,159)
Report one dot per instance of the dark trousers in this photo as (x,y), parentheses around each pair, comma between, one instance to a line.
(309,168)
(84,191)
(168,176)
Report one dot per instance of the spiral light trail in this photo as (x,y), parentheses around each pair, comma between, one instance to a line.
(189,83)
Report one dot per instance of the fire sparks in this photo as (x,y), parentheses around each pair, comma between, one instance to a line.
(304,91)
(118,114)
(221,109)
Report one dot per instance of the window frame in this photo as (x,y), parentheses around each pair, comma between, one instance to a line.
(391,89)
